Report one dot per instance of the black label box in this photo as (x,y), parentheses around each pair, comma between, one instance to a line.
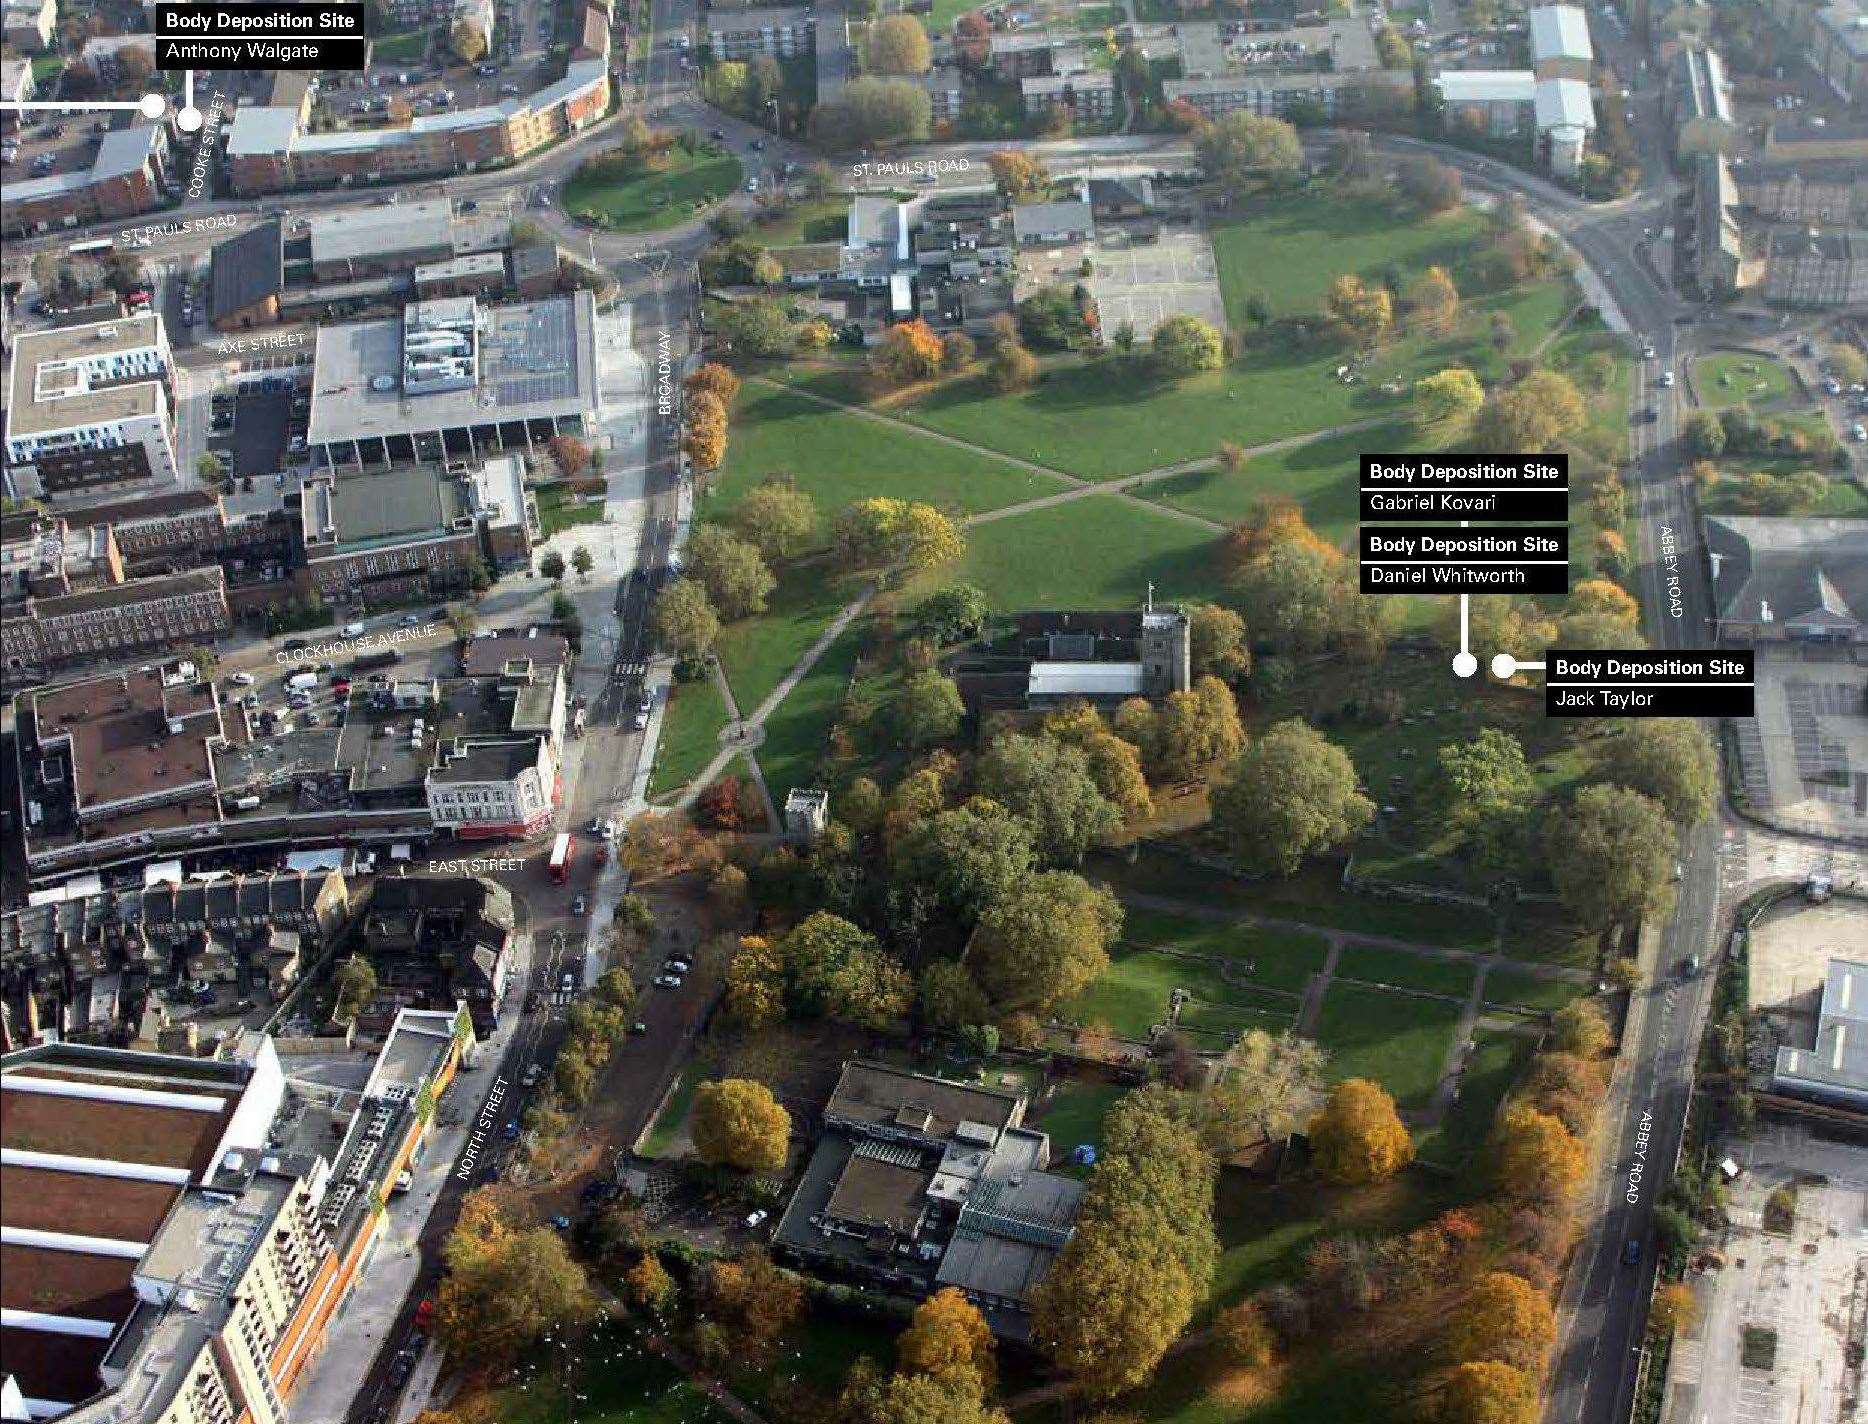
(268,34)
(1405,559)
(1643,682)
(1437,488)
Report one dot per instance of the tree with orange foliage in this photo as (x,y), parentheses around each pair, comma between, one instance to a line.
(909,352)
(1486,1392)
(947,1334)
(1538,1158)
(1675,1308)
(716,380)
(705,440)
(1271,523)
(1359,1137)
(1502,1318)
(1248,1338)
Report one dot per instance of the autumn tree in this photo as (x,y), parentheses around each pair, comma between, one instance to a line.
(896,44)
(753,1299)
(1430,184)
(913,1397)
(731,570)
(1432,301)
(1581,1028)
(926,709)
(1358,1137)
(871,112)
(776,517)
(704,441)
(755,984)
(909,351)
(737,1123)
(1018,174)
(1538,1158)
(716,380)
(1362,309)
(650,1285)
(1247,1336)
(1291,794)
(1611,856)
(1675,1307)
(1503,1318)
(684,621)
(1532,417)
(1044,941)
(1486,1392)
(1445,402)
(965,858)
(468,41)
(896,534)
(506,1288)
(1185,345)
(1670,759)
(947,1333)
(1141,1256)
(1012,368)
(569,454)
(1195,729)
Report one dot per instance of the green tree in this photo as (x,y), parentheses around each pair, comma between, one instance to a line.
(1668,758)
(731,570)
(835,969)
(1219,643)
(1048,784)
(1612,856)
(582,561)
(1290,795)
(1184,345)
(949,997)
(1044,942)
(950,1397)
(895,534)
(1533,417)
(761,327)
(777,518)
(468,41)
(737,1123)
(1243,150)
(356,987)
(926,709)
(684,621)
(1265,1082)
(953,613)
(965,858)
(1704,435)
(1142,1253)
(1486,790)
(1295,590)
(1447,401)
(874,112)
(551,565)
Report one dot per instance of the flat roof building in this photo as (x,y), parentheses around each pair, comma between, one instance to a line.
(89,414)
(1560,47)
(1835,1069)
(454,378)
(1699,103)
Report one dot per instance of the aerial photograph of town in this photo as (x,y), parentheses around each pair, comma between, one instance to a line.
(929,712)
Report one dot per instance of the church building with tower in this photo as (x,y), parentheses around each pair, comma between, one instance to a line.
(1057,656)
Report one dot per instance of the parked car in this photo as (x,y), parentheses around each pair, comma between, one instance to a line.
(510,1131)
(577,905)
(241,679)
(667,981)
(1631,1252)
(529,1078)
(675,964)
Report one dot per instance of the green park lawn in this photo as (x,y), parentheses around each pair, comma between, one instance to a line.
(559,508)
(816,1352)
(1531,991)
(402,47)
(690,735)
(757,652)
(1279,959)
(1133,995)
(821,220)
(837,458)
(666,1130)
(1493,1066)
(1075,1114)
(1728,378)
(621,1382)
(656,200)
(795,732)
(1842,497)
(1399,1040)
(1377,965)
(1100,551)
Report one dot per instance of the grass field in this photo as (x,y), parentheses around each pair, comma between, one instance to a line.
(1279,959)
(621,1382)
(837,458)
(656,200)
(1842,497)
(822,220)
(1133,995)
(690,734)
(1493,1066)
(1075,1114)
(1096,552)
(404,46)
(1398,1040)
(796,730)
(559,508)
(1514,986)
(817,1352)
(1727,378)
(665,1131)
(1410,971)
(758,652)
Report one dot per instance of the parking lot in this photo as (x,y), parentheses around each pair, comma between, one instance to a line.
(1803,757)
(1145,283)
(1779,1317)
(366,100)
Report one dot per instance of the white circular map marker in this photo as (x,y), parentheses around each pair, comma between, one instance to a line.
(189,119)
(153,106)
(1464,664)
(1504,667)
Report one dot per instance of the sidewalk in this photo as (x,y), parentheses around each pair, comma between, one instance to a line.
(330,1384)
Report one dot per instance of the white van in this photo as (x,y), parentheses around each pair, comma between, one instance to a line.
(353,630)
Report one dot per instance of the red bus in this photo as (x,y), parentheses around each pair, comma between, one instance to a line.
(560,859)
